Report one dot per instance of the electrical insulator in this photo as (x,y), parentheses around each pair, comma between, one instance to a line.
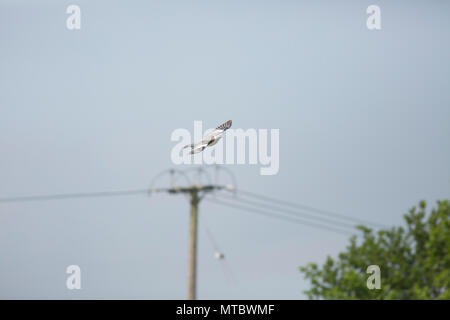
(219,255)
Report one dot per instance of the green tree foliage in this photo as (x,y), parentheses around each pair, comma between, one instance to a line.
(414,261)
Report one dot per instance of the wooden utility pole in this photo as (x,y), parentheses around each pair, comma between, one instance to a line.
(192,272)
(196,192)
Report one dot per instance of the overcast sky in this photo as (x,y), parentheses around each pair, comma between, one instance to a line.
(363,118)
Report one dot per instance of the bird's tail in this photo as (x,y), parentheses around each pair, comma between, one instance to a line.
(189,146)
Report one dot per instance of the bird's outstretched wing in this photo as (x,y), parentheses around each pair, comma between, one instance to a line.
(197,147)
(225,126)
(219,130)
(214,135)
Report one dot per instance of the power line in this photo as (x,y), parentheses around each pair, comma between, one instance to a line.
(129,192)
(309,208)
(278,216)
(147,191)
(62,196)
(291,212)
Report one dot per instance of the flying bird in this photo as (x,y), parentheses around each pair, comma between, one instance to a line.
(210,139)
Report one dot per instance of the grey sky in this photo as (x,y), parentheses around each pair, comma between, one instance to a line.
(363,118)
